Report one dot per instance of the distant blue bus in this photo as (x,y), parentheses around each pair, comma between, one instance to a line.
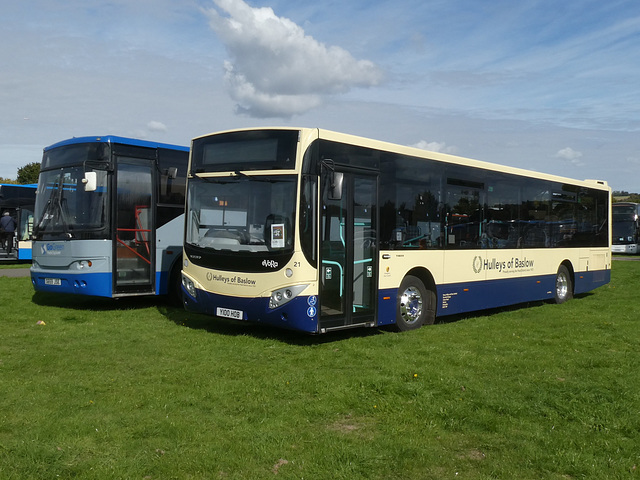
(18,201)
(109,217)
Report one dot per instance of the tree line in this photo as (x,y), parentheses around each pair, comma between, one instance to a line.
(623,196)
(27,174)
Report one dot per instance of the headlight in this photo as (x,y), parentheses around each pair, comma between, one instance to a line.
(284,295)
(189,286)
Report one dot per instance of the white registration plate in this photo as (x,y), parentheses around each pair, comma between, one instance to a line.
(229,313)
(52,281)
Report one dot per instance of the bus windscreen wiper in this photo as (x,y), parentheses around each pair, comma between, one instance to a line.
(55,209)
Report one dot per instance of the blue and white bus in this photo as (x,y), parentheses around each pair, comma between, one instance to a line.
(109,217)
(18,201)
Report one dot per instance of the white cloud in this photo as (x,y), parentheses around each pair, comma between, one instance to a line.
(571,155)
(436,147)
(152,130)
(155,126)
(276,70)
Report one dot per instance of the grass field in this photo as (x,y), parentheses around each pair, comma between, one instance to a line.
(133,390)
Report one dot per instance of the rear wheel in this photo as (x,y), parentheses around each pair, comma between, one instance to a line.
(564,285)
(415,305)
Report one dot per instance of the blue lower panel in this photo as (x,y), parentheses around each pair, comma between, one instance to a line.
(473,296)
(468,297)
(299,314)
(94,284)
(387,306)
(587,281)
(162,283)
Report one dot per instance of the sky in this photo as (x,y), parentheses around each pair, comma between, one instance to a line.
(545,85)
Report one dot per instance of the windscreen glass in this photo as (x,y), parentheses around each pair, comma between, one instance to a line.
(624,232)
(242,214)
(625,225)
(65,210)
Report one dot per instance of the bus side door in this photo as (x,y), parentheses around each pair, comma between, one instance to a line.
(134,245)
(348,271)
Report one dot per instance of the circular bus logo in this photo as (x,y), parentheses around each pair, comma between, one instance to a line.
(477,264)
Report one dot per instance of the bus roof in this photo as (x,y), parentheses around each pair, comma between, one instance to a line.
(426,154)
(115,139)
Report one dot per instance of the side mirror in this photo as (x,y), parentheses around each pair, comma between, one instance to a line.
(335,187)
(90,181)
(172,172)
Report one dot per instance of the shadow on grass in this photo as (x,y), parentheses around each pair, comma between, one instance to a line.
(80,302)
(483,313)
(221,326)
(194,321)
(12,263)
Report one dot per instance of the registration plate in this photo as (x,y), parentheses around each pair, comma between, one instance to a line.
(229,313)
(53,281)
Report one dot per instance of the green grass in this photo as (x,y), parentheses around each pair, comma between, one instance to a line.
(132,390)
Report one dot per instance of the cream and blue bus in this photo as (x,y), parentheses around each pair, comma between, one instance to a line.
(315,231)
(109,217)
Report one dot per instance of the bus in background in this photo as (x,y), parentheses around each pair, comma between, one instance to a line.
(626,227)
(315,231)
(18,201)
(109,217)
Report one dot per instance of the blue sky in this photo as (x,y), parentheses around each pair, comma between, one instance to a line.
(546,85)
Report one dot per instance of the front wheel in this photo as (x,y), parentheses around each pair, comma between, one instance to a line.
(564,285)
(415,305)
(174,289)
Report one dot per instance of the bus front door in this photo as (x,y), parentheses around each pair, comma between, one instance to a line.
(134,245)
(348,250)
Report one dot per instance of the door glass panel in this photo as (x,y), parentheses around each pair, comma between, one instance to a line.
(334,214)
(349,239)
(134,235)
(364,243)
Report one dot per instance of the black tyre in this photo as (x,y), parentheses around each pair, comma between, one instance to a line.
(564,285)
(415,305)
(174,294)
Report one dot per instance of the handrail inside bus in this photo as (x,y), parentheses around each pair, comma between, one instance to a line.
(135,252)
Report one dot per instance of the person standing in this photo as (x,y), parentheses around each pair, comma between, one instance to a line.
(8,225)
